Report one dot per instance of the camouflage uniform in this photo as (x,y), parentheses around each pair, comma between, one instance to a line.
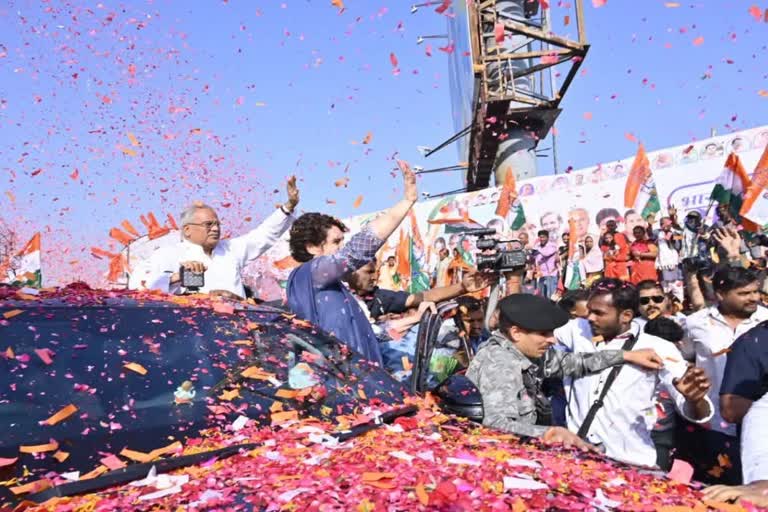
(510,383)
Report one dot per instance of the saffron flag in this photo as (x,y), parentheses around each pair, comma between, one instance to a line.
(573,274)
(640,191)
(755,204)
(509,205)
(25,269)
(403,257)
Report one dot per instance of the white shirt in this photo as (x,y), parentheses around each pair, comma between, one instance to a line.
(754,448)
(621,425)
(224,265)
(711,336)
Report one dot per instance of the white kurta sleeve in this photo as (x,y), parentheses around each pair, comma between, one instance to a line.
(258,241)
(155,273)
(674,368)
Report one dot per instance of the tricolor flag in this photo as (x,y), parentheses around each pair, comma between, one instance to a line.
(755,204)
(457,225)
(640,191)
(573,275)
(25,268)
(509,202)
(410,258)
(732,185)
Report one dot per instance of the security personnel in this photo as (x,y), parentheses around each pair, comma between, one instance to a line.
(509,368)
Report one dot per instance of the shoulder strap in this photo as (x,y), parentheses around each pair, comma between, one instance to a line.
(598,404)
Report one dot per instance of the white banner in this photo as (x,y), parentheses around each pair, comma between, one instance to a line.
(684,177)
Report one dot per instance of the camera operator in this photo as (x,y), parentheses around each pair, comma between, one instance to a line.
(202,251)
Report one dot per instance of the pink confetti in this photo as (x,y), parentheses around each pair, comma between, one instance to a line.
(44,354)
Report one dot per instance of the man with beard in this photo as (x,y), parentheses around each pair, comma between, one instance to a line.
(712,331)
(612,409)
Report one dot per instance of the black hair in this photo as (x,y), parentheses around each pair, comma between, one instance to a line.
(649,284)
(665,328)
(543,232)
(311,229)
(605,213)
(467,306)
(730,278)
(571,297)
(623,295)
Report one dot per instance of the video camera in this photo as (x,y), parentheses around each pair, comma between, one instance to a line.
(192,281)
(490,258)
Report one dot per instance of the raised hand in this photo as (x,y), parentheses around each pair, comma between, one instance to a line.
(293,194)
(475,281)
(729,240)
(410,192)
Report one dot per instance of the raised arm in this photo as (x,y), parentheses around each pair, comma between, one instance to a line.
(471,282)
(363,246)
(259,240)
(558,363)
(386,223)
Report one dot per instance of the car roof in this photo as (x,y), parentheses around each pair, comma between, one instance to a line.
(83,296)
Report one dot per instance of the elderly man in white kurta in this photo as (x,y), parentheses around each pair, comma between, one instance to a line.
(202,250)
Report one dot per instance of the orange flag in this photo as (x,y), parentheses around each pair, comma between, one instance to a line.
(757,189)
(121,236)
(573,243)
(403,255)
(508,194)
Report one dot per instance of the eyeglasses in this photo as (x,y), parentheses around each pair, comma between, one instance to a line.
(657,299)
(207,225)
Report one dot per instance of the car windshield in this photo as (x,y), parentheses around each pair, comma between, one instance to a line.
(85,382)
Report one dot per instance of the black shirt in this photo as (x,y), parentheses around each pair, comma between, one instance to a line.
(746,370)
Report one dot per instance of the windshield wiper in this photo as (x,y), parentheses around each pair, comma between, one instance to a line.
(135,472)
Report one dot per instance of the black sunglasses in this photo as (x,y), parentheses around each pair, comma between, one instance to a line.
(657,299)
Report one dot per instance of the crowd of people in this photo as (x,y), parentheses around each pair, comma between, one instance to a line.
(657,352)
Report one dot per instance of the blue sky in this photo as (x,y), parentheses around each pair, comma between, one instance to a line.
(225,99)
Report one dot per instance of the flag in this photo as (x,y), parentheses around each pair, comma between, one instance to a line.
(509,202)
(640,191)
(755,204)
(403,257)
(419,278)
(573,276)
(732,185)
(457,225)
(25,269)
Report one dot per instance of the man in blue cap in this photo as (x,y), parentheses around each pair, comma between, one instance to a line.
(509,368)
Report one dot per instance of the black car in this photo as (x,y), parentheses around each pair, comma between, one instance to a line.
(85,375)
